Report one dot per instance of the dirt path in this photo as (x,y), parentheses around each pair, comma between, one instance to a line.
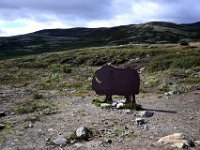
(177,113)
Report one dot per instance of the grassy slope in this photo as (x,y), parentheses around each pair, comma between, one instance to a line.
(167,67)
(66,39)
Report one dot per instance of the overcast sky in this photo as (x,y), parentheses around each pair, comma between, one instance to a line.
(25,16)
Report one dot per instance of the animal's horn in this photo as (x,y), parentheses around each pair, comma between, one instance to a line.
(98,81)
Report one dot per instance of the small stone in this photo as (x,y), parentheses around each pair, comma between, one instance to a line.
(2,126)
(47,139)
(109,141)
(197,143)
(146,127)
(127,111)
(12,113)
(80,132)
(2,113)
(119,105)
(171,92)
(30,125)
(189,143)
(114,104)
(60,141)
(191,118)
(105,105)
(50,130)
(122,101)
(167,94)
(146,114)
(140,121)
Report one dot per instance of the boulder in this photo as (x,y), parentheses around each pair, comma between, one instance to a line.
(177,140)
(145,113)
(172,138)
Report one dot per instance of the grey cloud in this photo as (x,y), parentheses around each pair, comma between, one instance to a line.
(85,9)
(79,12)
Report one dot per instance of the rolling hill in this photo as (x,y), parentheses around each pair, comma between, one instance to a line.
(50,40)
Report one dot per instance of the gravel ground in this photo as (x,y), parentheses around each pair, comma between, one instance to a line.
(172,114)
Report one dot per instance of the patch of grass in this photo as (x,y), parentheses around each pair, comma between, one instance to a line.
(97,102)
(190,80)
(37,96)
(5,132)
(180,59)
(178,89)
(30,106)
(151,81)
(33,118)
(132,106)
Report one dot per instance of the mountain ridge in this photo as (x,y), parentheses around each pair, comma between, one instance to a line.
(50,40)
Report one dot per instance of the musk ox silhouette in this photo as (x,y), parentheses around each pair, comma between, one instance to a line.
(110,80)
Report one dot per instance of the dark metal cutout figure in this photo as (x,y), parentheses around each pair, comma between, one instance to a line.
(110,80)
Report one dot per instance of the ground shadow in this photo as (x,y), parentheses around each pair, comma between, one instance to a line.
(159,110)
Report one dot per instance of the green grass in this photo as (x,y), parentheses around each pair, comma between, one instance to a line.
(132,106)
(97,102)
(5,132)
(32,105)
(74,69)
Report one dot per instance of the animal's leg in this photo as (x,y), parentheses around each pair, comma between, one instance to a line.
(133,99)
(127,98)
(108,98)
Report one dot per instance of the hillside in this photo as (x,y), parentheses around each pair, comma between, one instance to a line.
(50,40)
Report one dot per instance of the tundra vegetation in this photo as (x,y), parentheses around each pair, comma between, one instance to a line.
(165,67)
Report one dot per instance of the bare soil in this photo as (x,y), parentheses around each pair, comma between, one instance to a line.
(173,114)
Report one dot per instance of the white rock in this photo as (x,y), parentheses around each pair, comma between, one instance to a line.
(171,92)
(30,125)
(178,139)
(82,131)
(122,101)
(114,104)
(50,130)
(119,105)
(146,114)
(172,138)
(166,93)
(2,126)
(60,141)
(105,105)
(197,142)
(127,111)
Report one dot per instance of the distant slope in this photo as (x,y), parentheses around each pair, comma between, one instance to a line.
(63,39)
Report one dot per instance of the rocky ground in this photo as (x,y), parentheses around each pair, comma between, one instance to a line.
(112,129)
